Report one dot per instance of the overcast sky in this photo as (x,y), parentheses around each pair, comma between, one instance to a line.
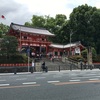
(21,11)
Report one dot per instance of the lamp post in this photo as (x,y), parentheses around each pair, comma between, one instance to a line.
(70,41)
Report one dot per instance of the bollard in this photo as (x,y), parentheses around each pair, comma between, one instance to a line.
(70,67)
(31,69)
(15,70)
(46,69)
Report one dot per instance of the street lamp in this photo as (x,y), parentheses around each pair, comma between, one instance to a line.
(70,41)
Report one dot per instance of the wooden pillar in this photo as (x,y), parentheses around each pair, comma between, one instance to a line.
(46,49)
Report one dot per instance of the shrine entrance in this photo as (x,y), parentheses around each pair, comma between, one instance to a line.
(38,51)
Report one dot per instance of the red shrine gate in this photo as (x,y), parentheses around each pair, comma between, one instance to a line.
(35,38)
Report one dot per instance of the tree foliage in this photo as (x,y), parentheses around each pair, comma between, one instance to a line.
(3,29)
(8,46)
(85,23)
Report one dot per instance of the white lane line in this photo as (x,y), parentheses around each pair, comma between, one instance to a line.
(94,79)
(4,84)
(2,80)
(29,83)
(21,79)
(53,81)
(74,80)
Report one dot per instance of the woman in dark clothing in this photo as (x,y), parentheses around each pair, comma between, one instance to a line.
(43,65)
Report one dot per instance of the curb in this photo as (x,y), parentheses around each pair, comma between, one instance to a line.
(23,73)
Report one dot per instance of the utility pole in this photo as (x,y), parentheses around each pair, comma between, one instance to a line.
(70,41)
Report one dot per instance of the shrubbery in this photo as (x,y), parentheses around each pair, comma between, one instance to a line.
(77,58)
(18,58)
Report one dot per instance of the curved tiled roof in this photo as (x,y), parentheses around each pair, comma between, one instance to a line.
(31,30)
(67,45)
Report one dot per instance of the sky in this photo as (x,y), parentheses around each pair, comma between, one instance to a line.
(21,11)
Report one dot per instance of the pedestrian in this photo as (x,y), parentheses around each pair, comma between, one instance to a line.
(43,65)
(33,67)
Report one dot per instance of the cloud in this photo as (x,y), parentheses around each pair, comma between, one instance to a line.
(21,11)
(14,12)
(6,7)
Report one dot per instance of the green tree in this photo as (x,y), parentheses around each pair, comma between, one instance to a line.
(38,21)
(96,35)
(85,22)
(80,23)
(60,35)
(8,46)
(3,30)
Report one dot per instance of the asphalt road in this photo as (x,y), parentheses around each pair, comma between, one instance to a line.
(64,85)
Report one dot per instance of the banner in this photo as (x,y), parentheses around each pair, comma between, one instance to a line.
(77,50)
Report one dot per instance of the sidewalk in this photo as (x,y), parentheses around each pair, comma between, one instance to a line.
(22,73)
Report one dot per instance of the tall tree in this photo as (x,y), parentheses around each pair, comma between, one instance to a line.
(60,21)
(80,22)
(38,21)
(96,24)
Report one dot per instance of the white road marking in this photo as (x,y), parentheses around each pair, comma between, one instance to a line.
(74,80)
(21,79)
(2,80)
(53,81)
(94,79)
(4,84)
(29,83)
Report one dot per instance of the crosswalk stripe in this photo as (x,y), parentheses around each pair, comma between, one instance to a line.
(94,79)
(29,83)
(74,80)
(53,81)
(4,84)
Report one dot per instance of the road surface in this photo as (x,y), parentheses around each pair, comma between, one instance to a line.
(64,85)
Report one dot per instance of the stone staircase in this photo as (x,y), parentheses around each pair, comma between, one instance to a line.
(58,64)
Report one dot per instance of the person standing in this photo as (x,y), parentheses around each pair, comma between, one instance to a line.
(32,68)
